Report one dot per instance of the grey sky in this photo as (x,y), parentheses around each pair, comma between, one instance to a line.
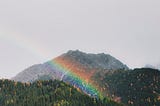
(34,31)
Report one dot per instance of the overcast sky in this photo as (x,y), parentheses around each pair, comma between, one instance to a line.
(34,31)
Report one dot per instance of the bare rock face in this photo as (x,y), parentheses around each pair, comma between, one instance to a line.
(35,72)
(100,61)
(91,61)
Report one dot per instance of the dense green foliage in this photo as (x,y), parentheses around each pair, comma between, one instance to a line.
(45,93)
(138,87)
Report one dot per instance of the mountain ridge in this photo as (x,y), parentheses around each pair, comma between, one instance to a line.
(76,68)
(91,74)
(89,60)
(101,60)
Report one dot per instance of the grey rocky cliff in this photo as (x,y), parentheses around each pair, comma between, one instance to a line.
(93,61)
(36,72)
(100,61)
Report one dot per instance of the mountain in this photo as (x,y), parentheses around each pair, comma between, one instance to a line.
(36,72)
(77,59)
(74,67)
(46,93)
(95,61)
(99,76)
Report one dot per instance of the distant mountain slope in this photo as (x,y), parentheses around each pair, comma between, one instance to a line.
(46,93)
(74,67)
(33,73)
(100,75)
(152,66)
(138,87)
(81,60)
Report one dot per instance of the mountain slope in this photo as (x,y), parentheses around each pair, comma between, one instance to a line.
(138,87)
(95,61)
(33,73)
(76,68)
(82,61)
(100,75)
(45,93)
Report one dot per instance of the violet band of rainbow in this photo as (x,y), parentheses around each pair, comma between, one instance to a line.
(76,80)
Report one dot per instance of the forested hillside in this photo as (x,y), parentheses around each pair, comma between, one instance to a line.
(138,87)
(46,93)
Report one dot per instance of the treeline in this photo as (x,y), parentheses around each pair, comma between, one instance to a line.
(46,93)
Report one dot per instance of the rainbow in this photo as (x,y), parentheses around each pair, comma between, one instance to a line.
(80,81)
(77,80)
(25,42)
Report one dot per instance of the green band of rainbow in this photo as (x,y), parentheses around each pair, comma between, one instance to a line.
(77,81)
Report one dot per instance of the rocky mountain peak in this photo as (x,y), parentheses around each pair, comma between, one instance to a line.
(100,60)
(80,60)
